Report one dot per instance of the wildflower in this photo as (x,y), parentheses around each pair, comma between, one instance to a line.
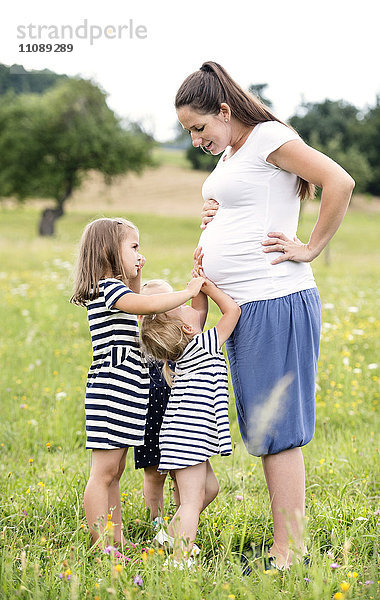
(144,556)
(118,568)
(41,484)
(239,498)
(31,461)
(48,445)
(160,552)
(334,565)
(344,586)
(150,550)
(372,366)
(27,491)
(137,580)
(368,582)
(338,596)
(232,596)
(321,461)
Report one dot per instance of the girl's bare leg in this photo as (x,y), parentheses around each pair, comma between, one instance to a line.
(285,476)
(114,504)
(197,486)
(105,469)
(154,491)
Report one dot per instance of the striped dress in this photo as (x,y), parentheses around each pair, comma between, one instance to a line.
(195,424)
(118,380)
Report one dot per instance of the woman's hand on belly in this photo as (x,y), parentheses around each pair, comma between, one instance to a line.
(197,256)
(209,210)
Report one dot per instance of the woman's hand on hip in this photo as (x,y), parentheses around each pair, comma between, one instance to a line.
(209,210)
(291,249)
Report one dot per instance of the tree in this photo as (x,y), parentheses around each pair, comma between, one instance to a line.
(258,89)
(336,129)
(370,145)
(21,81)
(49,142)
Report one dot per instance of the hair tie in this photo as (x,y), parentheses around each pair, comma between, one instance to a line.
(206,69)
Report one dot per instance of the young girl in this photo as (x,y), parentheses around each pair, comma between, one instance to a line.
(108,284)
(147,457)
(195,424)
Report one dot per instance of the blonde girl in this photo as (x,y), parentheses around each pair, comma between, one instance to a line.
(108,284)
(195,424)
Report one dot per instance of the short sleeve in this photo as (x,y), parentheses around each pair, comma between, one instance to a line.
(272,136)
(209,341)
(113,291)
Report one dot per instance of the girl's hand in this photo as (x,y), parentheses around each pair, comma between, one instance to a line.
(197,256)
(194,286)
(291,249)
(209,210)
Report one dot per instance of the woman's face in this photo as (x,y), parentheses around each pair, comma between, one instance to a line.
(210,131)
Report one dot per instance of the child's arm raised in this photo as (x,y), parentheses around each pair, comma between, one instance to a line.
(139,304)
(231,311)
(200,304)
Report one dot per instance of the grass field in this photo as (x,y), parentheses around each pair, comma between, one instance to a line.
(45,354)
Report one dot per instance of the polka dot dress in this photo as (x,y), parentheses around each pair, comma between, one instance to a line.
(148,455)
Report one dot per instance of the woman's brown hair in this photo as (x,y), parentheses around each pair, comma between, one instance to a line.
(206,89)
(163,338)
(99,257)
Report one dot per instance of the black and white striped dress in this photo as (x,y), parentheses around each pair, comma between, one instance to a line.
(118,380)
(195,424)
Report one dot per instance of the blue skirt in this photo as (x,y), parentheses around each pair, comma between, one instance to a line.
(273,356)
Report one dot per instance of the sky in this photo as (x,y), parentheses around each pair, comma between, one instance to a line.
(143,50)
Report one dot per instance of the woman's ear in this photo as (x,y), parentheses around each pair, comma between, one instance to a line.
(225,111)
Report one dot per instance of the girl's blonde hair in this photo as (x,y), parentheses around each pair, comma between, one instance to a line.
(99,257)
(164,338)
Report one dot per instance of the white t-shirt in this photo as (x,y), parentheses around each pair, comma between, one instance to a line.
(255,198)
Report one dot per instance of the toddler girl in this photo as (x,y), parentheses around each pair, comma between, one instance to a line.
(195,424)
(108,284)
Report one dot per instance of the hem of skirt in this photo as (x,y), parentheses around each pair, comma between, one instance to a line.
(278,451)
(111,446)
(148,464)
(192,464)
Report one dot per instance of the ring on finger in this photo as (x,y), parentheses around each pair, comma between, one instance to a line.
(283,249)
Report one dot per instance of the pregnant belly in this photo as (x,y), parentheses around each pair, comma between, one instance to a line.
(233,252)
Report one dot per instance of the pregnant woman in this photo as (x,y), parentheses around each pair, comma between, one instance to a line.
(250,250)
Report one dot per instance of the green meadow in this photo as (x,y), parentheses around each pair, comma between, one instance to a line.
(45,352)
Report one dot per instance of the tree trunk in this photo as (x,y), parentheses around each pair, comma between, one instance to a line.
(50,215)
(48,219)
